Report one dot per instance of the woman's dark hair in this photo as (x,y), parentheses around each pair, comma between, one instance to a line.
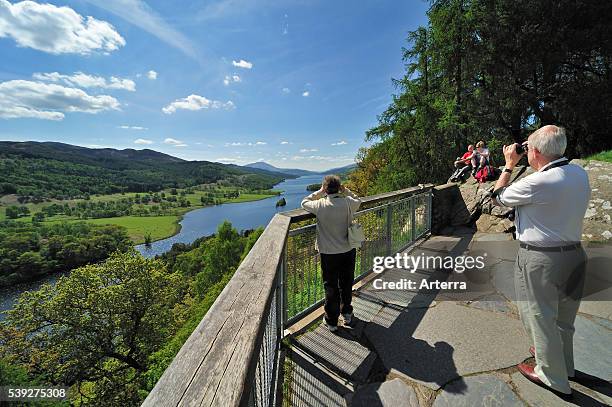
(331,184)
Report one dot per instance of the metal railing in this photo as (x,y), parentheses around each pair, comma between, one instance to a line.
(233,356)
(389,228)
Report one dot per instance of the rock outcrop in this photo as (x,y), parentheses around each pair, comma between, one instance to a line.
(493,219)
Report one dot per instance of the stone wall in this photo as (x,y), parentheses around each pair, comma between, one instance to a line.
(449,208)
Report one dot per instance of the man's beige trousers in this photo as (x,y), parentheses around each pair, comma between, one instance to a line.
(549,287)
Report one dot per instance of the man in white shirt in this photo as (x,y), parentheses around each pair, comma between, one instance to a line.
(334,206)
(549,271)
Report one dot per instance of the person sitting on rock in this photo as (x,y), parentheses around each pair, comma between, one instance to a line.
(463,164)
(480,158)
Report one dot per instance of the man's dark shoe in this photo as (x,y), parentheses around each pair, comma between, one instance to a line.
(527,371)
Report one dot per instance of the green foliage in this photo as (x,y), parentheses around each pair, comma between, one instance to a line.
(603,156)
(313,187)
(480,71)
(52,170)
(14,212)
(110,330)
(95,328)
(161,359)
(29,250)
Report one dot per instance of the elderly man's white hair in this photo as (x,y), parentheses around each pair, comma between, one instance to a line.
(550,141)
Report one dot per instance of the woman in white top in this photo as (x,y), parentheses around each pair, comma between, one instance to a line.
(480,158)
(333,205)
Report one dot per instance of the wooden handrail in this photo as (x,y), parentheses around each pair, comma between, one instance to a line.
(299,214)
(212,366)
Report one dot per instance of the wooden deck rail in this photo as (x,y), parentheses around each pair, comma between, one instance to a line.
(217,364)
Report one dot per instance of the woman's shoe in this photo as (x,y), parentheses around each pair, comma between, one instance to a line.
(332,328)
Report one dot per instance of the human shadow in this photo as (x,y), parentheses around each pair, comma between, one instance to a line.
(593,382)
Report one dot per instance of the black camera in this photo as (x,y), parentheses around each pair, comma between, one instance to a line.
(519,148)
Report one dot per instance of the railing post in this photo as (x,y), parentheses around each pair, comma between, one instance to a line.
(389,229)
(412,219)
(283,290)
(429,209)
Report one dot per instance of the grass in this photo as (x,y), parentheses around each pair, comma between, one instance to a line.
(603,156)
(159,227)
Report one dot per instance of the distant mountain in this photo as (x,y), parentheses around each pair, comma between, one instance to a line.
(268,167)
(298,172)
(106,157)
(58,170)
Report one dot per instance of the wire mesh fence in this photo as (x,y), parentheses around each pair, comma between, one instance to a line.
(388,228)
(263,391)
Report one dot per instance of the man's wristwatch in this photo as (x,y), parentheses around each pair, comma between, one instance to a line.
(506,169)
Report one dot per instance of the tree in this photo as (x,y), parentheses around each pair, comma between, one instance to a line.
(493,71)
(95,329)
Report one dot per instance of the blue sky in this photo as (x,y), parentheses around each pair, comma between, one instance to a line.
(294,83)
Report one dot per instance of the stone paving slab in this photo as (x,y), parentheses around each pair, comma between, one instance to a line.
(339,351)
(402,297)
(504,250)
(502,277)
(492,237)
(481,390)
(601,309)
(493,303)
(444,243)
(476,282)
(392,393)
(436,345)
(537,396)
(593,348)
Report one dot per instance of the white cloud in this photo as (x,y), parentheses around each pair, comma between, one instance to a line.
(231,78)
(197,102)
(242,64)
(56,30)
(126,127)
(140,14)
(152,75)
(285,142)
(49,101)
(306,93)
(308,150)
(243,144)
(286,90)
(83,80)
(227,160)
(340,143)
(322,158)
(174,142)
(143,141)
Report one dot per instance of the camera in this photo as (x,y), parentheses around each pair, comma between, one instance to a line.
(519,148)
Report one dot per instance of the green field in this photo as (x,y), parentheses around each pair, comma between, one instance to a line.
(159,227)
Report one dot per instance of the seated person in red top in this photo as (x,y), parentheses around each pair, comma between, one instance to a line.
(466,158)
(463,165)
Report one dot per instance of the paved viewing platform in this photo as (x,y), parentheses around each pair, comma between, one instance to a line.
(439,348)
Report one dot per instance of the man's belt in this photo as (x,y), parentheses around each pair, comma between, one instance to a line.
(551,249)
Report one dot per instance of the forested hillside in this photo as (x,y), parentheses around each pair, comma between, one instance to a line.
(492,71)
(109,330)
(35,171)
